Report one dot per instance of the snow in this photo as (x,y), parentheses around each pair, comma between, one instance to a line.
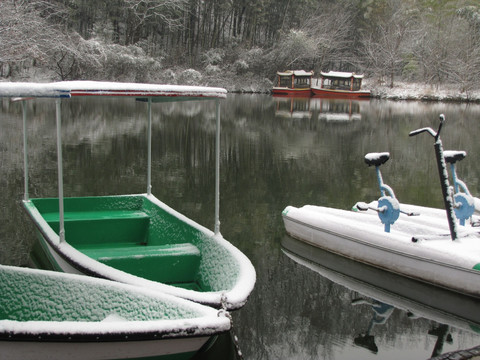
(227,270)
(340,74)
(38,301)
(296,73)
(434,258)
(302,73)
(99,88)
(232,280)
(420,92)
(375,156)
(453,153)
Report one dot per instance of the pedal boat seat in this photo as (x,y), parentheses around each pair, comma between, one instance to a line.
(376,159)
(452,156)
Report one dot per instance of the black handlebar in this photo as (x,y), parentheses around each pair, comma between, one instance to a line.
(432,132)
(448,201)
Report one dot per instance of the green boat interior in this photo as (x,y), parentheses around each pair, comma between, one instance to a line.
(131,234)
(40,296)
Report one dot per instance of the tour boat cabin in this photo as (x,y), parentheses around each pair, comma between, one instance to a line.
(339,84)
(294,83)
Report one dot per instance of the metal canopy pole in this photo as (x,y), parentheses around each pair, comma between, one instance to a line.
(149,140)
(60,169)
(25,150)
(217,169)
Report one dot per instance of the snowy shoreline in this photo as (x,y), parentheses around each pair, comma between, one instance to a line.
(402,91)
(423,92)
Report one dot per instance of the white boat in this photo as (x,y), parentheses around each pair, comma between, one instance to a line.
(432,247)
(52,315)
(135,239)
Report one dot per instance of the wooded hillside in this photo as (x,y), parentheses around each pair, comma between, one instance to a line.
(195,41)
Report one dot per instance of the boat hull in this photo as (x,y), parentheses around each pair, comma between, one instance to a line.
(136,239)
(291,92)
(329,93)
(435,260)
(175,349)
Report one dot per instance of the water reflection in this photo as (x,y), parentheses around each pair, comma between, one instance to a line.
(292,107)
(338,110)
(382,293)
(267,162)
(322,109)
(381,313)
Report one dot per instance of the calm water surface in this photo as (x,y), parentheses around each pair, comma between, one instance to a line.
(275,152)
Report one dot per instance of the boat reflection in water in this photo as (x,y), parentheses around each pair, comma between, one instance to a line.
(341,110)
(323,109)
(384,292)
(292,107)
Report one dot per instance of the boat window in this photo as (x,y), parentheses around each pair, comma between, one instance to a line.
(357,84)
(285,81)
(302,81)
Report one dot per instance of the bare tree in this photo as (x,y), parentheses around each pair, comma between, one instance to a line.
(145,14)
(466,63)
(330,28)
(391,40)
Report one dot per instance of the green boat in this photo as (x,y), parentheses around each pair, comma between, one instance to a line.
(53,315)
(135,239)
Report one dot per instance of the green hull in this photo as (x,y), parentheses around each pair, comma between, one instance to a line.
(140,236)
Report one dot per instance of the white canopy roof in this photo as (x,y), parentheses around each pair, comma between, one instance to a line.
(96,88)
(296,73)
(340,74)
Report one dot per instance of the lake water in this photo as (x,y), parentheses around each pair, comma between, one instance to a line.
(275,152)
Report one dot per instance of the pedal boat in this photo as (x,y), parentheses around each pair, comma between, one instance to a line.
(135,239)
(432,247)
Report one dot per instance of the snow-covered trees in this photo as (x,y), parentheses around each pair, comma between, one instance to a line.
(393,30)
(26,38)
(138,40)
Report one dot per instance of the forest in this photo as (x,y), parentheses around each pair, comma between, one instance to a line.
(230,42)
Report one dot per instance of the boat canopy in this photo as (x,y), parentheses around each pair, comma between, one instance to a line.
(295,73)
(339,74)
(148,93)
(344,81)
(66,89)
(295,80)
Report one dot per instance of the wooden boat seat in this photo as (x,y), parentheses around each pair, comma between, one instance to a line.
(83,228)
(376,159)
(452,156)
(171,264)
